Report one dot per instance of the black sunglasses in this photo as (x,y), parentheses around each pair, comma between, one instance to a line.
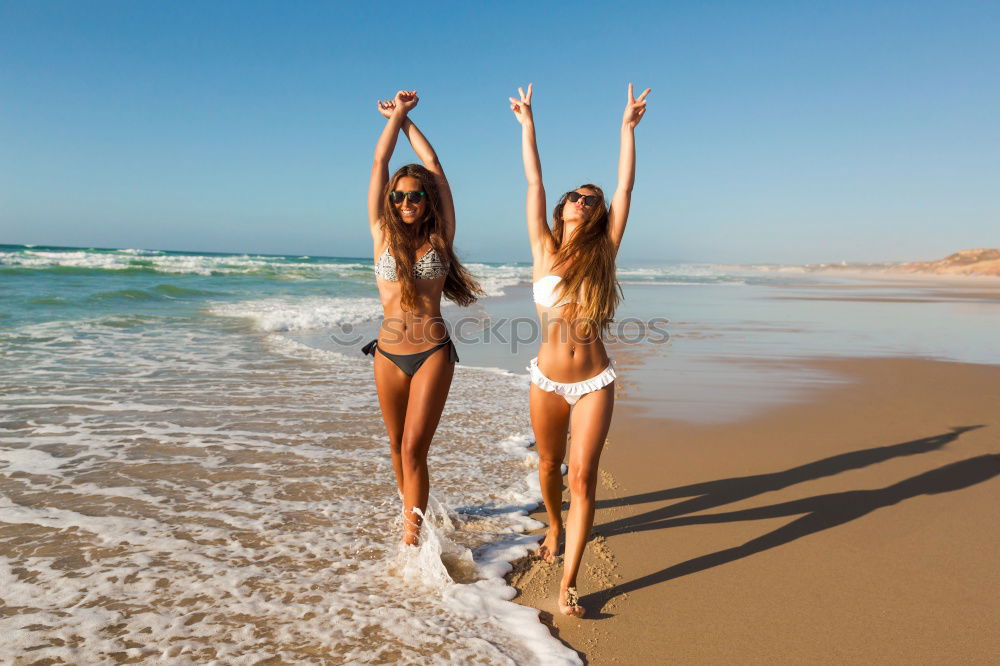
(588,199)
(397,197)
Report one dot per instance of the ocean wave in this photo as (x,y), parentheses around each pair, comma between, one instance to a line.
(68,261)
(155,261)
(493,278)
(692,282)
(680,274)
(286,314)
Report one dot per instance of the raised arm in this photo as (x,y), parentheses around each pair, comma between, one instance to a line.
(622,200)
(425,153)
(538,229)
(422,147)
(395,113)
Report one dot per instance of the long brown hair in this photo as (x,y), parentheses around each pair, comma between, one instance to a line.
(588,260)
(405,239)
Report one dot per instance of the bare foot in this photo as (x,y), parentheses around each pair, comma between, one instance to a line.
(569,602)
(550,547)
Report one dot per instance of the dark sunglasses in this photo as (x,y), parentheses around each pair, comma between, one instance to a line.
(588,199)
(397,197)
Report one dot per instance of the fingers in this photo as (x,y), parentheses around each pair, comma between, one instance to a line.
(406,95)
(521,105)
(642,97)
(631,96)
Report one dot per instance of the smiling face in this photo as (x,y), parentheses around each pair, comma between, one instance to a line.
(576,212)
(408,211)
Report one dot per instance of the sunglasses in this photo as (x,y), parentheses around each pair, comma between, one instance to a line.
(397,197)
(588,199)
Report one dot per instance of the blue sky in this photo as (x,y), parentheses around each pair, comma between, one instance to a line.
(777,131)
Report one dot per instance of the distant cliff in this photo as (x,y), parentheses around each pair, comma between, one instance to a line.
(963,262)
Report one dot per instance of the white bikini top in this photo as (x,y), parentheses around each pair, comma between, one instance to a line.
(427,267)
(544,291)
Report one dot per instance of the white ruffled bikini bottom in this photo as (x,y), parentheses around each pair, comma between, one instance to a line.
(571,391)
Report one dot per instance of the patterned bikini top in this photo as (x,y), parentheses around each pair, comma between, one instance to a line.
(427,267)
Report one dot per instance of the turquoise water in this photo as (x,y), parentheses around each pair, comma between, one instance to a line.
(40,284)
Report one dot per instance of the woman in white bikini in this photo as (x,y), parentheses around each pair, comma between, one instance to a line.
(412,215)
(576,293)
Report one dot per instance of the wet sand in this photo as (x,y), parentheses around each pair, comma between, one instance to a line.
(859,526)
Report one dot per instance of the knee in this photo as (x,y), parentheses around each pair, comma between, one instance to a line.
(414,452)
(549,466)
(582,481)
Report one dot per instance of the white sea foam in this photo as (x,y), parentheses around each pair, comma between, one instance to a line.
(680,274)
(197,264)
(196,495)
(292,314)
(493,279)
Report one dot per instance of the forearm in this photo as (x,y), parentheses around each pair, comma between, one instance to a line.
(421,146)
(529,153)
(626,159)
(387,140)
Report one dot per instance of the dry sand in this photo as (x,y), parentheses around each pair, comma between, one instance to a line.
(861,526)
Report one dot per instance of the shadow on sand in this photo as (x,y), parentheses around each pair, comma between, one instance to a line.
(816,513)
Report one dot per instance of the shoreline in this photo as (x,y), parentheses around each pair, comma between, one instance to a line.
(843,512)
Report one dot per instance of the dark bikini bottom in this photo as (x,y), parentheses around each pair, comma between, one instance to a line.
(410,363)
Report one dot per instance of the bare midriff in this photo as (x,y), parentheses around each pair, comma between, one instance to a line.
(416,330)
(569,351)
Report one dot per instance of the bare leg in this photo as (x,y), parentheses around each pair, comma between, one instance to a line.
(428,393)
(393,386)
(589,425)
(549,419)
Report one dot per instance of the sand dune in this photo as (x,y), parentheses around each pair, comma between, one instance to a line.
(963,262)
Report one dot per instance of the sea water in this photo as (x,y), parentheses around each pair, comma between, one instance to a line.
(180,481)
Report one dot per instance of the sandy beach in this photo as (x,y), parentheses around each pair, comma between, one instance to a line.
(858,527)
